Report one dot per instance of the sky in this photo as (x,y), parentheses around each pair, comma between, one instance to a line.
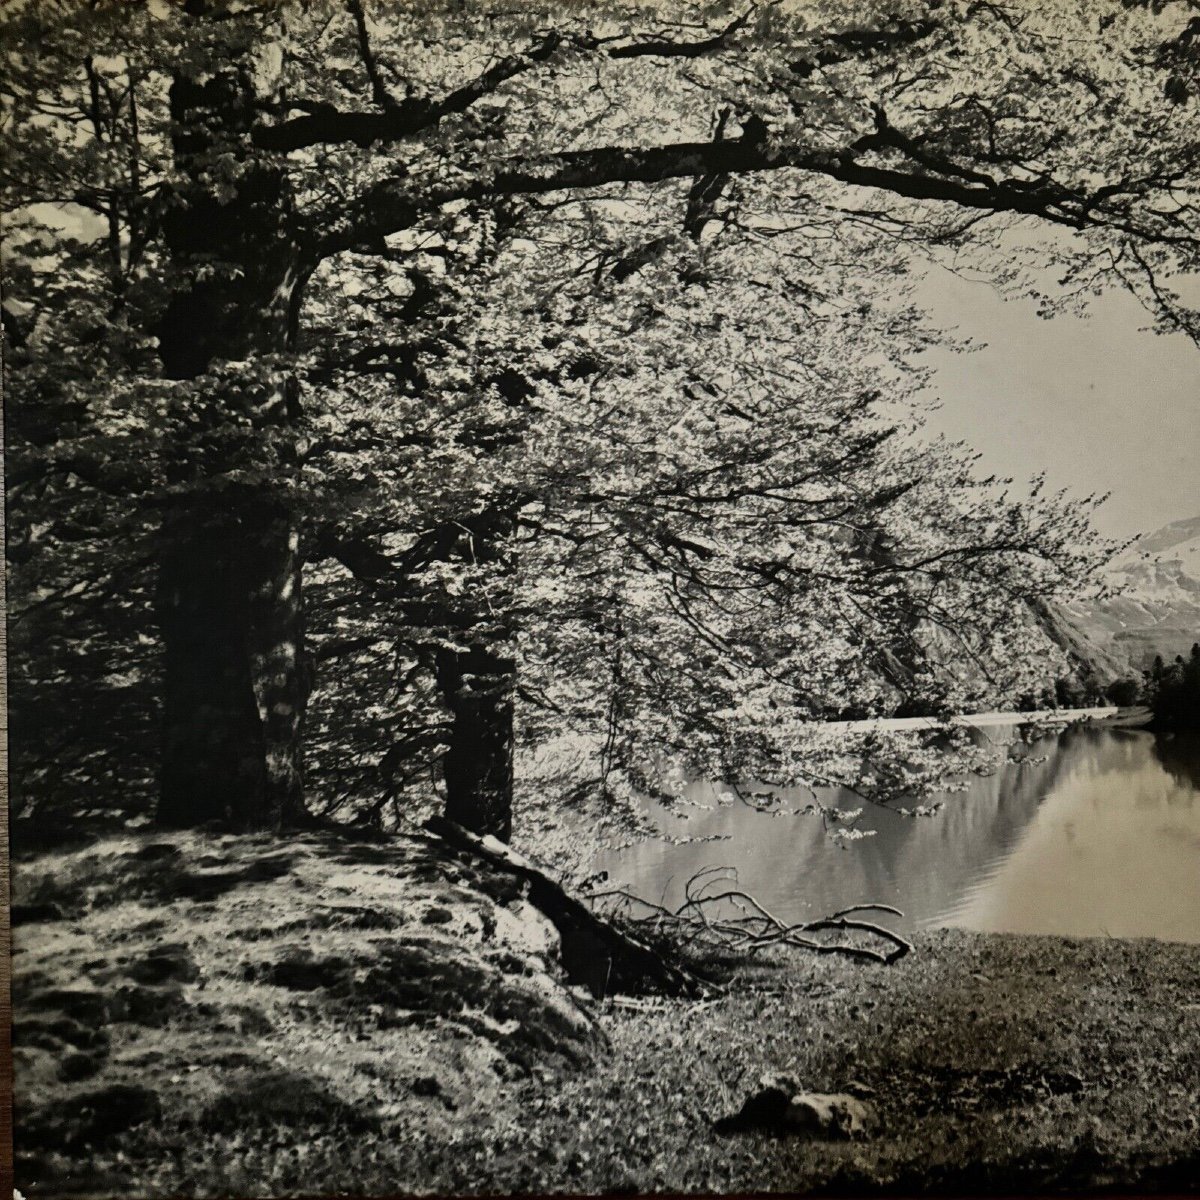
(1098,403)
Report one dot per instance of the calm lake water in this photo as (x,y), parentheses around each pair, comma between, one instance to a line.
(1101,838)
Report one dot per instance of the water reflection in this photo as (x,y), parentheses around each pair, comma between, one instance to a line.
(1102,837)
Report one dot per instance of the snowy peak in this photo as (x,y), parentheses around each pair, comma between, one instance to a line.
(1155,606)
(1174,537)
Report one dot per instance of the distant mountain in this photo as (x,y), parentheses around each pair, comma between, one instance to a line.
(1155,603)
(1153,608)
(1090,650)
(1170,538)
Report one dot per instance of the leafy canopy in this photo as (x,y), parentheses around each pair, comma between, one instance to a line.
(604,355)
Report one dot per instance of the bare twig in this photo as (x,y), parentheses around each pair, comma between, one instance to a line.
(733,921)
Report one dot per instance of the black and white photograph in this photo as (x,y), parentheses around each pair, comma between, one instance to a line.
(602,598)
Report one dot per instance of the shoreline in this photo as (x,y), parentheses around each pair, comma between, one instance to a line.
(1106,715)
(374,1018)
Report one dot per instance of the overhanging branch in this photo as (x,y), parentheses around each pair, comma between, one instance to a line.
(395,205)
(327,125)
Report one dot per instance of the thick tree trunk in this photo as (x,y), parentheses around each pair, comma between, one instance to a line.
(232,625)
(230,588)
(477,687)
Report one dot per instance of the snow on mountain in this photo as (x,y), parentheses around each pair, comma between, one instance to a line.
(1155,602)
(1170,538)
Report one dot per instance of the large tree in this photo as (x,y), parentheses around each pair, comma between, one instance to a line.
(391,290)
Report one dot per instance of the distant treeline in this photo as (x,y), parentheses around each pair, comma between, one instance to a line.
(1171,690)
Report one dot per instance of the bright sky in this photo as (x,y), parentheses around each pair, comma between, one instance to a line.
(1096,404)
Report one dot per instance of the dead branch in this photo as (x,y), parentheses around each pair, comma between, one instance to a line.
(733,921)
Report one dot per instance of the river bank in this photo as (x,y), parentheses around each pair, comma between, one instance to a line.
(200,1015)
(1110,716)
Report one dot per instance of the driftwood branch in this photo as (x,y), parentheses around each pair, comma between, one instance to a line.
(731,920)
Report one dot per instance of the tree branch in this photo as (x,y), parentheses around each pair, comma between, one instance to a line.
(326,125)
(393,205)
(379,92)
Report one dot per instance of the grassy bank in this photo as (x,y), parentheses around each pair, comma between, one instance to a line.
(201,1015)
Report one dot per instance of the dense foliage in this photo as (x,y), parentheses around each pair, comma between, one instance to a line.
(1173,691)
(395,393)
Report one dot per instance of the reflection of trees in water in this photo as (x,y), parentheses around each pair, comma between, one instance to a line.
(1179,754)
(1110,850)
(927,866)
(982,828)
(939,860)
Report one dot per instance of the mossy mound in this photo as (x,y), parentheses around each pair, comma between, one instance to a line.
(390,1018)
(204,987)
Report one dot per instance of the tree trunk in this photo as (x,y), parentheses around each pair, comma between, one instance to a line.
(477,687)
(595,953)
(230,588)
(232,625)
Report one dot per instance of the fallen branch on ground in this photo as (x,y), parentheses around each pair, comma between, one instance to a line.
(733,921)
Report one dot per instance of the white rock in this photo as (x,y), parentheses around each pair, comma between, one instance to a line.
(834,1114)
(527,930)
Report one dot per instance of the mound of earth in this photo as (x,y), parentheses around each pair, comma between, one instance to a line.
(186,987)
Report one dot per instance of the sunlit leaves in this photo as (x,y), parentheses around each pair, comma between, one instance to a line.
(678,470)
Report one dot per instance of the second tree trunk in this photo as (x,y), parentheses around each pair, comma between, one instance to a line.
(477,687)
(230,612)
